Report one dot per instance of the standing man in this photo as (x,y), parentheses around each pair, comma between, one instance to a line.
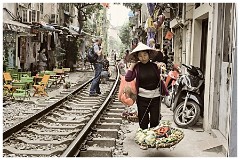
(95,89)
(42,59)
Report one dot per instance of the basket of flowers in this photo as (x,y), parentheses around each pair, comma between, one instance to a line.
(162,136)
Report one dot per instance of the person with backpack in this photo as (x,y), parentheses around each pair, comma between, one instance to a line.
(97,64)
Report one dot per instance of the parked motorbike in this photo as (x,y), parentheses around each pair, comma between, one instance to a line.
(188,97)
(170,82)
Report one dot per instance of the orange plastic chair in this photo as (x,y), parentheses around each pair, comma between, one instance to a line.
(40,88)
(7,81)
(7,77)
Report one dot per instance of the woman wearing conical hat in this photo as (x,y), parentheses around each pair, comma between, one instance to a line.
(148,84)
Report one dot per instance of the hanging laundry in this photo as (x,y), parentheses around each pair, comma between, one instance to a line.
(161,19)
(156,25)
(169,35)
(151,7)
(149,26)
(157,12)
(150,35)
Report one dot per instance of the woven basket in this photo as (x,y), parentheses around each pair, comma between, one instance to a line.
(168,145)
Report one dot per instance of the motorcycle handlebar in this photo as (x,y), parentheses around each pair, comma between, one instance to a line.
(200,75)
(185,65)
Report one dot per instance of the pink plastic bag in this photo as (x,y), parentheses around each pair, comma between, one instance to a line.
(127,92)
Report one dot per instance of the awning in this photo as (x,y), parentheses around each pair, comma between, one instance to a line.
(42,26)
(15,26)
(26,34)
(48,28)
(74,30)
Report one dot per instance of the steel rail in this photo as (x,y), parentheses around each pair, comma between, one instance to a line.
(73,149)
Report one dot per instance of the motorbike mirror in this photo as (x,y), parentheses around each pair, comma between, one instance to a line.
(193,70)
(186,66)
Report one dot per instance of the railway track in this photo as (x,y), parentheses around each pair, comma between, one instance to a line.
(15,111)
(72,124)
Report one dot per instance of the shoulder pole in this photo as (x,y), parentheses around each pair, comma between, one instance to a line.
(160,88)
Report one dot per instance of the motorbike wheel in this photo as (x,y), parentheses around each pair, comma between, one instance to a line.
(189,116)
(168,99)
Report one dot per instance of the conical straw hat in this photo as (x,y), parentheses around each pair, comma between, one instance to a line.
(142,47)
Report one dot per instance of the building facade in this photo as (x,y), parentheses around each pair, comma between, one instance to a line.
(203,35)
(27,26)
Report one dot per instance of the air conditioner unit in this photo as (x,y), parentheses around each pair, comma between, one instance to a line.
(54,18)
(35,16)
(27,16)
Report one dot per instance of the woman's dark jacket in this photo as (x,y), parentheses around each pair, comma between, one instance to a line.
(131,75)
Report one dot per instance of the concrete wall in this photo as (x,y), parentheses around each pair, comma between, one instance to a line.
(214,88)
(48,9)
(233,119)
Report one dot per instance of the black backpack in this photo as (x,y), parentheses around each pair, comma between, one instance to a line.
(92,56)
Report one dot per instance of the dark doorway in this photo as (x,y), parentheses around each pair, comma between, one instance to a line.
(204,45)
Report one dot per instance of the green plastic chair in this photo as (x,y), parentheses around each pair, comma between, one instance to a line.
(24,74)
(12,70)
(21,91)
(28,81)
(15,76)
